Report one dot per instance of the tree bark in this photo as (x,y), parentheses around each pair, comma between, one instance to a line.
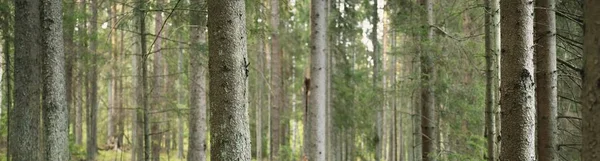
(197,139)
(259,106)
(546,79)
(140,68)
(55,113)
(591,82)
(121,112)
(318,84)
(180,101)
(79,103)
(111,128)
(139,49)
(157,90)
(277,94)
(379,152)
(228,73)
(70,54)
(517,82)
(428,125)
(492,44)
(93,80)
(8,78)
(25,125)
(143,98)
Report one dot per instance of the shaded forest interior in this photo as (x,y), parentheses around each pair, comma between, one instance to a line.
(305,80)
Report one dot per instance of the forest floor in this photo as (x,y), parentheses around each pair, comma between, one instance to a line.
(112,155)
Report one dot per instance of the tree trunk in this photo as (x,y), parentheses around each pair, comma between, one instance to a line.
(591,82)
(8,78)
(379,152)
(197,139)
(111,128)
(546,79)
(143,98)
(259,106)
(180,101)
(492,44)
(395,147)
(70,54)
(427,94)
(93,75)
(138,138)
(517,86)
(25,125)
(120,99)
(142,130)
(277,94)
(228,73)
(318,84)
(157,90)
(55,113)
(79,103)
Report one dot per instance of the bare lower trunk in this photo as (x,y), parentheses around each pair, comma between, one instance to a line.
(591,82)
(517,86)
(142,138)
(93,75)
(259,106)
(428,125)
(228,70)
(491,51)
(55,114)
(546,79)
(316,113)
(197,139)
(157,89)
(7,68)
(277,94)
(24,130)
(180,101)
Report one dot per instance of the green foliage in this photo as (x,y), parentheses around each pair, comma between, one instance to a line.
(78,152)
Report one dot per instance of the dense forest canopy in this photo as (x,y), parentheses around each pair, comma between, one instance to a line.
(308,80)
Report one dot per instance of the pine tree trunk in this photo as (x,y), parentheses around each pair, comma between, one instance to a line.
(277,94)
(143,98)
(79,104)
(546,79)
(198,126)
(69,47)
(379,152)
(8,78)
(24,128)
(318,104)
(180,101)
(55,114)
(120,97)
(228,73)
(93,80)
(259,106)
(491,51)
(428,125)
(79,107)
(137,117)
(111,130)
(517,86)
(142,147)
(157,90)
(591,82)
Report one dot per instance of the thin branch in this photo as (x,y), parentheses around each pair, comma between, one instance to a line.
(569,117)
(570,99)
(578,70)
(163,25)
